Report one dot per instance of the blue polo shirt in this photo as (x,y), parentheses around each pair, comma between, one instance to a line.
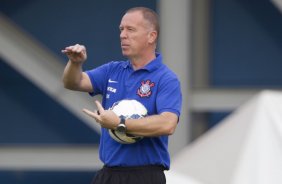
(157,88)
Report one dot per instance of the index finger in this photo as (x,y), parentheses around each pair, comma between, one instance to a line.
(99,107)
(68,49)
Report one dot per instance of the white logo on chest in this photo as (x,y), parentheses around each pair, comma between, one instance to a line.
(112,81)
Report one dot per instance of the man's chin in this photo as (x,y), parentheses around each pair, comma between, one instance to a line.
(125,54)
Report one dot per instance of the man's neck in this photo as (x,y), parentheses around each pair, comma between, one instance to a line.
(140,62)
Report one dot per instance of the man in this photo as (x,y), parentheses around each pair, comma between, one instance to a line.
(144,78)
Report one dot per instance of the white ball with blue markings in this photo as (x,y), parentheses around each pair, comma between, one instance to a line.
(129,109)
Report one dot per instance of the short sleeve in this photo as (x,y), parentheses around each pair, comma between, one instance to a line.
(98,78)
(169,97)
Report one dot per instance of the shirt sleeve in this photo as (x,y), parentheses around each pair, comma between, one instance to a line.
(98,78)
(169,97)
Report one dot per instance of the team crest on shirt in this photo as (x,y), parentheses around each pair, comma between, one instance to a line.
(145,88)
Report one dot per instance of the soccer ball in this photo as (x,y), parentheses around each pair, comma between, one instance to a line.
(129,109)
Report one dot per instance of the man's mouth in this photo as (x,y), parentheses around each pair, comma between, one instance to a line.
(124,45)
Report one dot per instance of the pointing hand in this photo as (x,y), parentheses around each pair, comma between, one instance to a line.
(76,53)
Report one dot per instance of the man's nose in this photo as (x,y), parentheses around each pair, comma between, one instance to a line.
(122,34)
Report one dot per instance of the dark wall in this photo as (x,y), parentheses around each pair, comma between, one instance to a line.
(61,23)
(48,177)
(246,43)
(29,116)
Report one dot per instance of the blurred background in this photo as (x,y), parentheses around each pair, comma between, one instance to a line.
(224,52)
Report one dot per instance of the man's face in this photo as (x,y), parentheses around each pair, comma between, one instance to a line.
(134,34)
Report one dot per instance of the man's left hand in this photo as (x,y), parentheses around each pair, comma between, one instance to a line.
(106,118)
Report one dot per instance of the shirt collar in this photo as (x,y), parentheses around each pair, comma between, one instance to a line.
(153,65)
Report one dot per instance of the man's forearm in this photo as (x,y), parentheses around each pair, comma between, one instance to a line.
(155,125)
(72,75)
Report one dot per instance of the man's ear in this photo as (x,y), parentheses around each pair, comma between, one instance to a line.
(152,37)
